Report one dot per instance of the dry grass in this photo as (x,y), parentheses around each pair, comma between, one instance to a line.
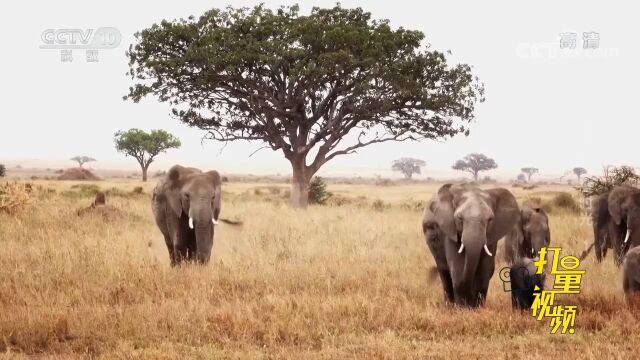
(329,282)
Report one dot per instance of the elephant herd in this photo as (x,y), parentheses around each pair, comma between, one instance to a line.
(462,225)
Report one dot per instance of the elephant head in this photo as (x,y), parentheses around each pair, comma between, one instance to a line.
(195,198)
(462,225)
(535,231)
(624,208)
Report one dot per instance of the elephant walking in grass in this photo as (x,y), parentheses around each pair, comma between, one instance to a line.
(524,280)
(616,222)
(462,225)
(186,206)
(528,236)
(631,273)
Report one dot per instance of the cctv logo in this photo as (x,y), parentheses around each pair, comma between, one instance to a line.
(101,38)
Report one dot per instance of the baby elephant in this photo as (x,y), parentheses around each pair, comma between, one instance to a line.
(631,270)
(523,283)
(528,236)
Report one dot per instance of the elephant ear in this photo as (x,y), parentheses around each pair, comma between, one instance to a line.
(217,193)
(443,209)
(620,199)
(506,213)
(174,182)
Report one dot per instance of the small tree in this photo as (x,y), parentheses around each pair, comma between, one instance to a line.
(529,171)
(579,171)
(318,193)
(475,163)
(521,178)
(81,160)
(144,147)
(3,170)
(408,166)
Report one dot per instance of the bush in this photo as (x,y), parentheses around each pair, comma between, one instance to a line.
(86,189)
(379,205)
(318,193)
(14,197)
(564,200)
(138,190)
(3,170)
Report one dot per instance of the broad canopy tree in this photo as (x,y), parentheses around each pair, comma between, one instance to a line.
(530,171)
(408,166)
(143,146)
(579,171)
(81,160)
(475,163)
(301,83)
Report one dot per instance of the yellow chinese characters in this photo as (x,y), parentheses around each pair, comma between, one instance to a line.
(567,280)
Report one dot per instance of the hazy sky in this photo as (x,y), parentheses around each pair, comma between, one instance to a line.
(546,107)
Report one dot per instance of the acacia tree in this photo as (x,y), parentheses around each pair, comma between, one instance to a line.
(408,166)
(529,171)
(144,147)
(579,171)
(475,163)
(81,160)
(301,83)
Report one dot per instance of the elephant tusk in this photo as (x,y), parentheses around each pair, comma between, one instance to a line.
(461,248)
(626,238)
(486,249)
(190,223)
(214,221)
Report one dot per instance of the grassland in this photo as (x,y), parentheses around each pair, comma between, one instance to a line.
(331,282)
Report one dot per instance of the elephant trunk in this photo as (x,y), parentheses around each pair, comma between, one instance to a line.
(474,241)
(201,214)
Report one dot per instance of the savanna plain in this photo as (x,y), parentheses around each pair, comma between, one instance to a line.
(343,280)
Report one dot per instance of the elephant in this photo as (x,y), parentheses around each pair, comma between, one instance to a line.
(601,221)
(631,272)
(528,236)
(616,222)
(462,225)
(524,280)
(186,205)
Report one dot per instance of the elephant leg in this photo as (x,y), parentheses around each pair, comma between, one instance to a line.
(485,271)
(172,253)
(181,241)
(598,242)
(616,237)
(447,285)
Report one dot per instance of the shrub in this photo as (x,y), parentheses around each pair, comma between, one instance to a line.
(384,182)
(379,205)
(564,200)
(14,197)
(89,190)
(3,170)
(318,193)
(138,190)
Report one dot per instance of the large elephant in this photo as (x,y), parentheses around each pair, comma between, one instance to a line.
(462,225)
(528,236)
(186,205)
(616,221)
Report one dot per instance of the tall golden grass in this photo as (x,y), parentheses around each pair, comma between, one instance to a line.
(336,282)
